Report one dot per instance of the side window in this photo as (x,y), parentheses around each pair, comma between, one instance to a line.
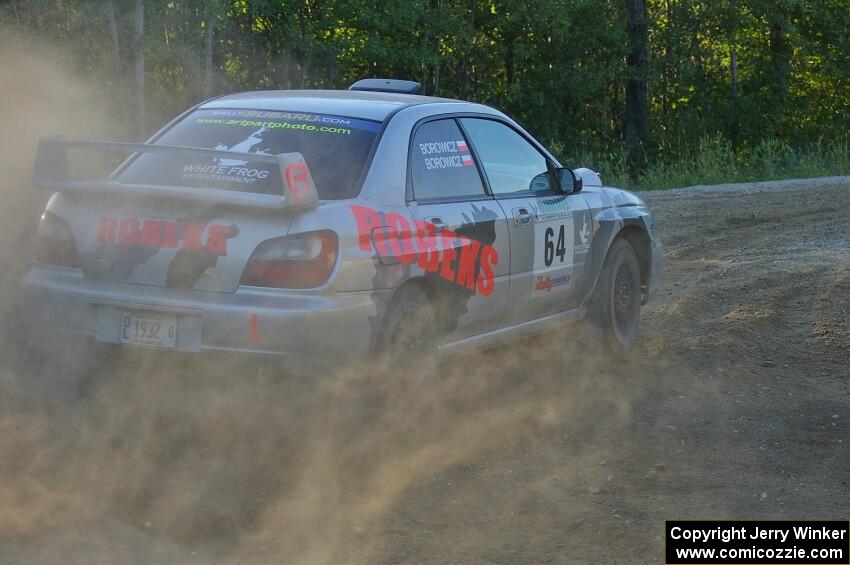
(441,164)
(511,163)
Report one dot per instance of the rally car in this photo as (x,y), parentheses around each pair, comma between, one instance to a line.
(326,226)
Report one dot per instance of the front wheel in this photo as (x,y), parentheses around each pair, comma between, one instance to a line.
(615,306)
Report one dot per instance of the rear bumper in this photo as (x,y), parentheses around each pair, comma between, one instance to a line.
(309,331)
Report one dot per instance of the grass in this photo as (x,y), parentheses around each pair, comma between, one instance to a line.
(714,161)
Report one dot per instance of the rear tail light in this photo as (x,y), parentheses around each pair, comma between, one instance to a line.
(305,260)
(55,242)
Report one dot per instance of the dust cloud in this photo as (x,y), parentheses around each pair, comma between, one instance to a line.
(40,95)
(142,457)
(734,404)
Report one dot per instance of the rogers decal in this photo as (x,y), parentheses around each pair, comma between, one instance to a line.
(456,258)
(134,232)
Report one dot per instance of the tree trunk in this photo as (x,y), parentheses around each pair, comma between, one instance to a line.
(733,53)
(302,75)
(208,49)
(435,7)
(424,81)
(733,69)
(509,61)
(437,71)
(734,126)
(121,86)
(467,56)
(780,66)
(141,130)
(113,34)
(636,129)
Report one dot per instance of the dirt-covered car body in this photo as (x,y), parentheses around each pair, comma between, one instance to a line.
(453,197)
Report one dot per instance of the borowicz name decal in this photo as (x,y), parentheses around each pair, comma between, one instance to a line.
(456,258)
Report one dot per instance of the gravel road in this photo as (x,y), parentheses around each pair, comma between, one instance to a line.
(735,404)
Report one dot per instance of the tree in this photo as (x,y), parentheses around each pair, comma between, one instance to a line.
(209,26)
(139,42)
(650,76)
(636,129)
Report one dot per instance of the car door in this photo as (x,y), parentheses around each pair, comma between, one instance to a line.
(549,231)
(449,201)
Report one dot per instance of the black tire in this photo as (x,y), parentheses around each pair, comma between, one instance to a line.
(615,307)
(408,337)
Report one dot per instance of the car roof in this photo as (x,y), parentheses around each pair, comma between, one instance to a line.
(353,104)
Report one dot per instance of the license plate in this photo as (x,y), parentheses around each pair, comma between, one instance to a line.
(148,330)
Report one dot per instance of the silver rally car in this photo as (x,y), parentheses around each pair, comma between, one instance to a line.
(325,226)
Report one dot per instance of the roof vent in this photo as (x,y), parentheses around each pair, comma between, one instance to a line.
(386,85)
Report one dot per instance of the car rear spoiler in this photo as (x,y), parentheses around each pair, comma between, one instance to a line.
(52,172)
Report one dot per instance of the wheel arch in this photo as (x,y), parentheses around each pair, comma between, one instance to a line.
(611,229)
(428,287)
(425,293)
(639,240)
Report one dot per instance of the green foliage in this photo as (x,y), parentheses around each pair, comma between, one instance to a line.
(559,67)
(714,161)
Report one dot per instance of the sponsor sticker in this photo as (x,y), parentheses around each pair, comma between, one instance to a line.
(244,175)
(553,209)
(317,122)
(169,234)
(547,283)
(582,240)
(553,246)
(456,258)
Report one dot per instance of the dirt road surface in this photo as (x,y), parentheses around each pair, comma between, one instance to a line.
(735,404)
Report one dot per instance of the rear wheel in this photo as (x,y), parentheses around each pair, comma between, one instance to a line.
(615,307)
(409,335)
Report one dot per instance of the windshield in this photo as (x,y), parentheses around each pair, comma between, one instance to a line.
(334,147)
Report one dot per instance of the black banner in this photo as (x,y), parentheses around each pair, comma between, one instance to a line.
(767,542)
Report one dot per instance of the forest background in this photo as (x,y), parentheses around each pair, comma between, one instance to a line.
(652,93)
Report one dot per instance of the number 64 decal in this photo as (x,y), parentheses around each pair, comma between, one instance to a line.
(553,247)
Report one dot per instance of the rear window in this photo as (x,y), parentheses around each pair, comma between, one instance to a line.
(334,147)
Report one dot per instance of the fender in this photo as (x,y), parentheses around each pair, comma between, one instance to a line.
(611,222)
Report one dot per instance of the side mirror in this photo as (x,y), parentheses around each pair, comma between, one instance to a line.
(568,181)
